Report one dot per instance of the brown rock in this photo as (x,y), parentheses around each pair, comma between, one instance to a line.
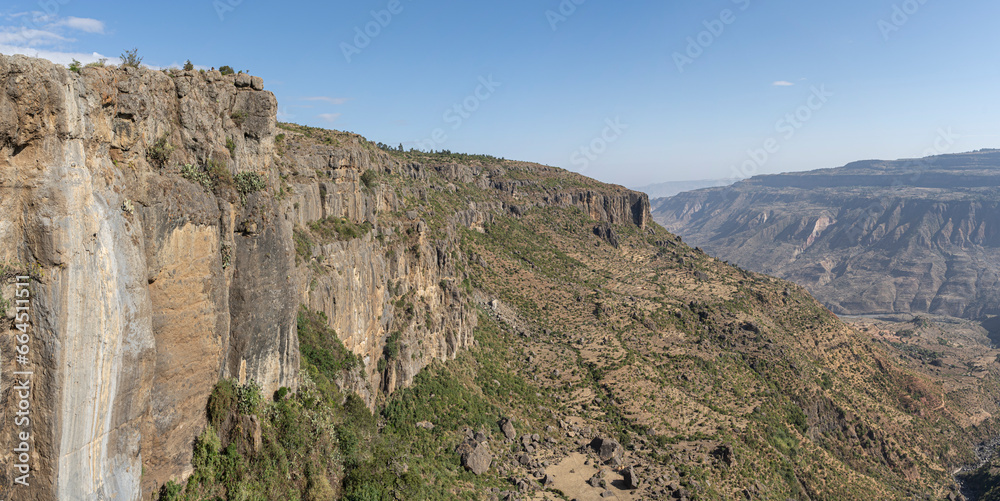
(608,448)
(631,480)
(476,456)
(153,308)
(507,427)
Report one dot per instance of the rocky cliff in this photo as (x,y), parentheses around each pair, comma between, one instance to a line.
(172,231)
(909,236)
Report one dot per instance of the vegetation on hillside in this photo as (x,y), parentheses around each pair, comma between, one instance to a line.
(716,382)
(321,444)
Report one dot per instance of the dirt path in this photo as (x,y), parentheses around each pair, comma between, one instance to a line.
(571,474)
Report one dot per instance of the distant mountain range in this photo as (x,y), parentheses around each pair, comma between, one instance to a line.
(671,188)
(905,236)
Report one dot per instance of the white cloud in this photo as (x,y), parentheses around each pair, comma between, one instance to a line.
(82,24)
(37,34)
(57,57)
(329,117)
(30,37)
(782,83)
(33,17)
(284,115)
(327,99)
(37,29)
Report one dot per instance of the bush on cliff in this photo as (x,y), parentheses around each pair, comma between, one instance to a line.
(131,58)
(249,182)
(339,228)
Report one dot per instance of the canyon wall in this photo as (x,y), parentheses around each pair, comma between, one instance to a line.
(172,230)
(910,236)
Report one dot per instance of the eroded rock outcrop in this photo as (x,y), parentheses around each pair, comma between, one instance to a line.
(172,231)
(908,236)
(144,295)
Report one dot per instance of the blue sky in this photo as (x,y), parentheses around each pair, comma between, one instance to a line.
(615,90)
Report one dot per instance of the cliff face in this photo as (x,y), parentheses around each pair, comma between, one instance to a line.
(871,237)
(173,231)
(135,310)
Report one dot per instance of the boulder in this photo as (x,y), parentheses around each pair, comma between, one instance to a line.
(608,448)
(250,425)
(725,454)
(476,456)
(507,427)
(630,478)
(595,481)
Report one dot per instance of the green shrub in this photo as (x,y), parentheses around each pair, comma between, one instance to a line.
(391,349)
(248,397)
(239,117)
(75,66)
(319,489)
(159,153)
(221,402)
(188,66)
(303,245)
(131,58)
(226,70)
(367,492)
(369,178)
(320,346)
(206,452)
(226,255)
(218,171)
(171,491)
(279,143)
(249,182)
(797,418)
(231,146)
(339,228)
(826,382)
(281,393)
(196,175)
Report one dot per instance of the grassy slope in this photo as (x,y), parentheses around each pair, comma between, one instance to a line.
(654,343)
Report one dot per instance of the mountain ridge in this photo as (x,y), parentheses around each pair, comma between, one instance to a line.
(857,236)
(228,307)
